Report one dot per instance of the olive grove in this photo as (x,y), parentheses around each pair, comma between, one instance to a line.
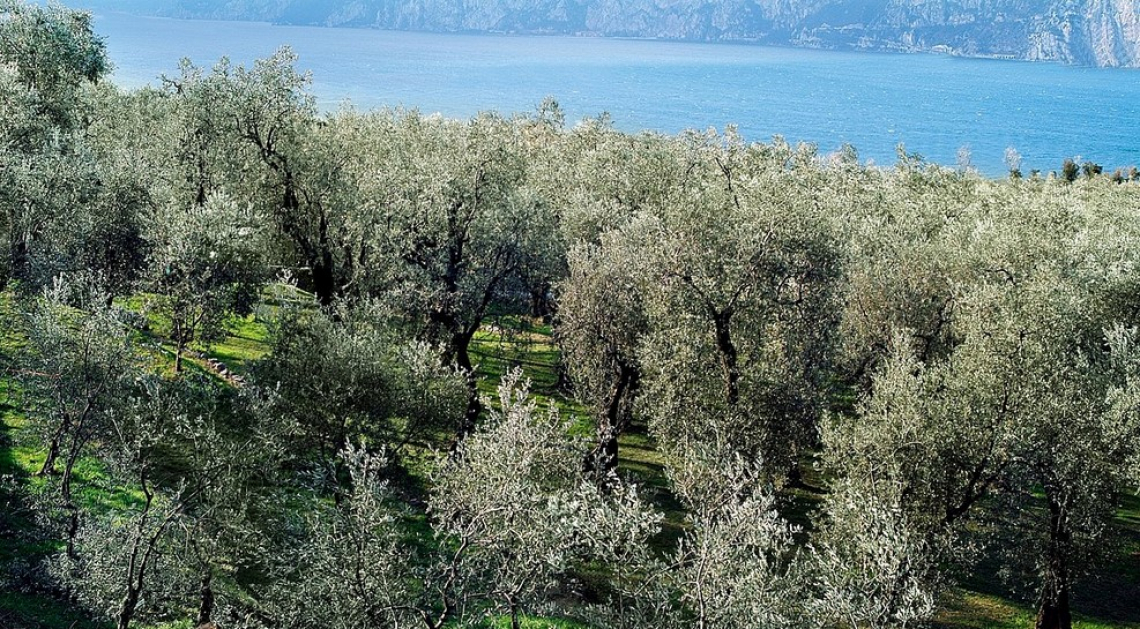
(247,380)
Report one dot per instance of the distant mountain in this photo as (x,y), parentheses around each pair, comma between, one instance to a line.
(1087,32)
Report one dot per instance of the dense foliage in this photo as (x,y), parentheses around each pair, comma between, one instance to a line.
(953,361)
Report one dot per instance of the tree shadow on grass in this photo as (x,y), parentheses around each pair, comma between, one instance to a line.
(1106,598)
(1114,593)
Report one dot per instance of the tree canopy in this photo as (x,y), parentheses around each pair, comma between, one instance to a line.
(245,351)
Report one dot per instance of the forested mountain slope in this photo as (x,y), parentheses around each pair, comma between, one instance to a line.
(1090,32)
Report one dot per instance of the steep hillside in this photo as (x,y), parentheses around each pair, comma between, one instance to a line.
(1089,32)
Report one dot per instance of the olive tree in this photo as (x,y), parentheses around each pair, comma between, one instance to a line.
(54,52)
(123,560)
(206,265)
(871,566)
(300,172)
(124,566)
(891,517)
(1077,451)
(1018,422)
(735,564)
(49,58)
(192,498)
(352,568)
(349,374)
(78,368)
(906,234)
(223,453)
(458,223)
(739,295)
(517,510)
(600,326)
(511,512)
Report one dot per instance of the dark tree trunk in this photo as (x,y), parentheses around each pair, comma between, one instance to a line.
(72,529)
(513,605)
(206,598)
(65,493)
(315,252)
(796,475)
(53,449)
(19,260)
(201,195)
(324,281)
(474,408)
(180,342)
(604,458)
(127,608)
(460,350)
(540,302)
(324,269)
(1055,614)
(614,421)
(1054,611)
(460,344)
(728,358)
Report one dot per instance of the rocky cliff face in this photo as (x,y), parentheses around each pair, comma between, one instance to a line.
(1092,32)
(1101,32)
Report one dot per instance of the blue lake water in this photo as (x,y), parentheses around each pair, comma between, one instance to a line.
(933,104)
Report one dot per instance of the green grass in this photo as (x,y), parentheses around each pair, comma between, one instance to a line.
(20,610)
(532,622)
(98,494)
(511,342)
(20,544)
(964,609)
(17,459)
(246,340)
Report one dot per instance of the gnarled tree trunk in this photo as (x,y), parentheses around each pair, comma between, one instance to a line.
(1054,611)
(614,421)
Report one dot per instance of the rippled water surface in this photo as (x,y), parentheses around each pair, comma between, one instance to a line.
(933,104)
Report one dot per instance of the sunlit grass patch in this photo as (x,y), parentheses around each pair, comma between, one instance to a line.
(23,459)
(246,340)
(98,493)
(964,609)
(507,343)
(503,344)
(18,457)
(532,622)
